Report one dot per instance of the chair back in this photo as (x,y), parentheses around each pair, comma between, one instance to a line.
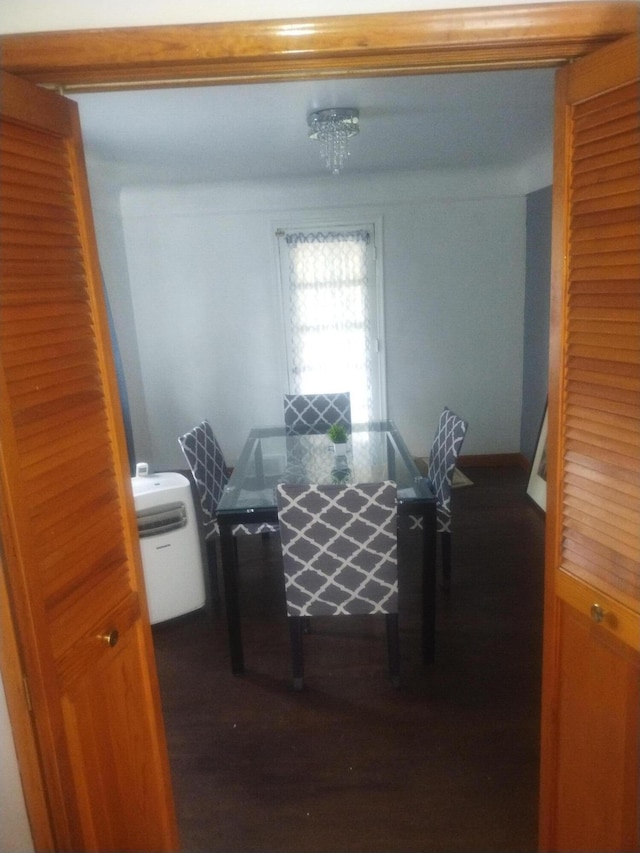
(339,547)
(309,414)
(208,467)
(442,462)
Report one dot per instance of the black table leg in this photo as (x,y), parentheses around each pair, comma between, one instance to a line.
(232,604)
(429,584)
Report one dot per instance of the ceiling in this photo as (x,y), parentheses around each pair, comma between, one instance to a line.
(258,131)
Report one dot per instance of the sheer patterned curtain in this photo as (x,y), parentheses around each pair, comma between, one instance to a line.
(331,316)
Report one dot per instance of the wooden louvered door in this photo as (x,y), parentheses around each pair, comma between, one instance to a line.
(591,695)
(69,542)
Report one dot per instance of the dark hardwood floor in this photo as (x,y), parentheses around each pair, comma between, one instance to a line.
(447,762)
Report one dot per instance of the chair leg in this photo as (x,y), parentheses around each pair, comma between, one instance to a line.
(296,630)
(445,542)
(393,647)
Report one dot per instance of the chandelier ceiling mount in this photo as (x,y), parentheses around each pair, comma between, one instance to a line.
(333,128)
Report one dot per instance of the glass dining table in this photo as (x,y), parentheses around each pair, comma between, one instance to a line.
(271,455)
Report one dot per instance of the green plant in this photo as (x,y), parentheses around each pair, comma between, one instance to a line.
(337,434)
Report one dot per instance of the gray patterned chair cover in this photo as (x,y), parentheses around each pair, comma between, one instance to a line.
(306,414)
(442,462)
(339,548)
(210,473)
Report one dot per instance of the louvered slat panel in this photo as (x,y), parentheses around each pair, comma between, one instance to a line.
(606,221)
(52,374)
(607,376)
(17,204)
(22,271)
(56,471)
(618,202)
(23,140)
(613,186)
(611,516)
(36,199)
(40,237)
(602,342)
(605,351)
(602,327)
(593,446)
(20,292)
(32,370)
(63,602)
(33,319)
(43,179)
(607,172)
(14,162)
(614,255)
(54,443)
(588,236)
(601,437)
(40,253)
(95,533)
(49,514)
(598,419)
(624,482)
(605,274)
(605,110)
(583,557)
(576,518)
(40,225)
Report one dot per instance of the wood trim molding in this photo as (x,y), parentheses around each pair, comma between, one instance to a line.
(495,460)
(288,49)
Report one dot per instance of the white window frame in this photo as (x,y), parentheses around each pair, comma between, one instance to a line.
(327,223)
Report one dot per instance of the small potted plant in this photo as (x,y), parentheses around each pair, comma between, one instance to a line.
(338,437)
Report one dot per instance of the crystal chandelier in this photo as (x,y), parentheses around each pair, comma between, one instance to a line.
(333,128)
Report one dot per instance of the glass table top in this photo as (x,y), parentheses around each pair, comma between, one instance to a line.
(374,452)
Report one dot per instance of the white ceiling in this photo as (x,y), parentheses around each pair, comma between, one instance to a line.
(436,121)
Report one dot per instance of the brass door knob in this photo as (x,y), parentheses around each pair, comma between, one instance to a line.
(597,613)
(110,638)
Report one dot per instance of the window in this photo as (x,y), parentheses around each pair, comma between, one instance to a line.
(332,315)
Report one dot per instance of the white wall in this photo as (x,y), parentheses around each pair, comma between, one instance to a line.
(203,276)
(105,204)
(15,835)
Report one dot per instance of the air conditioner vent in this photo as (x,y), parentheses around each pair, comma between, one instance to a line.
(161,519)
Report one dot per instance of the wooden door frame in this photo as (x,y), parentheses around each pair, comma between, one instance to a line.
(396,43)
(464,39)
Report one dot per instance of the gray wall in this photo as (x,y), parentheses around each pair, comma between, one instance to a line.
(536,330)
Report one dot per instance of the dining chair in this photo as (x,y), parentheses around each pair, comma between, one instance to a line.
(339,550)
(443,456)
(210,474)
(306,414)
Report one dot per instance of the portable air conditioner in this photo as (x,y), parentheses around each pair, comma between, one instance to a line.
(169,544)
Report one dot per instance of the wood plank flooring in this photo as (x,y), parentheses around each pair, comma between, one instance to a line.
(448,762)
